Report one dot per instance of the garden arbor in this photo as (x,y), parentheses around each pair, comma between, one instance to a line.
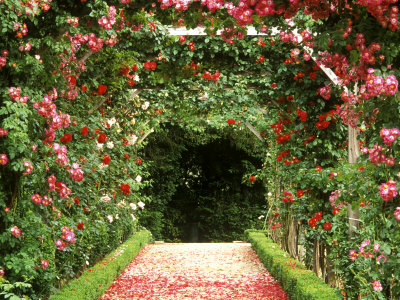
(72,133)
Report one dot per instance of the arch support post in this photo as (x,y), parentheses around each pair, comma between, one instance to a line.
(353,155)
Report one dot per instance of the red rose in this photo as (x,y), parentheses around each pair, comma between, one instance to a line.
(80,225)
(101,89)
(287,194)
(327,225)
(252,178)
(76,200)
(126,156)
(299,193)
(106,159)
(66,138)
(138,161)
(150,65)
(59,186)
(131,82)
(72,80)
(335,211)
(102,138)
(318,216)
(125,188)
(83,88)
(231,122)
(124,71)
(134,68)
(312,222)
(84,130)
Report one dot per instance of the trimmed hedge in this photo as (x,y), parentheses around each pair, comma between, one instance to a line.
(96,280)
(298,282)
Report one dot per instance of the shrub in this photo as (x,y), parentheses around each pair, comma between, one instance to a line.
(95,281)
(296,280)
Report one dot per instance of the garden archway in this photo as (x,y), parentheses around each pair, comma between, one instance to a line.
(72,135)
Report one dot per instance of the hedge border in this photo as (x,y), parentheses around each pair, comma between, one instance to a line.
(96,280)
(298,282)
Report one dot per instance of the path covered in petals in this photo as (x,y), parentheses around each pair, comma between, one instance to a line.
(196,271)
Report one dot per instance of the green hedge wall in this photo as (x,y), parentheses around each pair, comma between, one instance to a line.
(298,282)
(96,280)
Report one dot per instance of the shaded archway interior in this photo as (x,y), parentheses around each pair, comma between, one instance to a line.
(200,194)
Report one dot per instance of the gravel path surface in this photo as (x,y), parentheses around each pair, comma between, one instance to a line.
(196,271)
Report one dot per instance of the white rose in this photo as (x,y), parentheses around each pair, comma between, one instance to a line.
(132,139)
(138,178)
(133,206)
(133,217)
(112,121)
(110,145)
(100,146)
(141,204)
(110,218)
(105,198)
(146,105)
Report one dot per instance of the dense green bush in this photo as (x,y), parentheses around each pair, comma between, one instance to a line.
(96,280)
(298,282)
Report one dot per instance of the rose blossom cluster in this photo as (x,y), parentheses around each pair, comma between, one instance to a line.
(109,21)
(3,59)
(15,231)
(52,182)
(62,189)
(376,85)
(61,152)
(15,94)
(3,132)
(180,5)
(288,197)
(95,44)
(76,172)
(333,200)
(376,155)
(48,109)
(45,201)
(22,32)
(389,135)
(378,8)
(313,221)
(68,236)
(397,213)
(29,168)
(3,159)
(388,190)
(73,21)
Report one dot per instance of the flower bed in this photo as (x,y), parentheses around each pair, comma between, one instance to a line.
(297,281)
(94,281)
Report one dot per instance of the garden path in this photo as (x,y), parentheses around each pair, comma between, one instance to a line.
(196,271)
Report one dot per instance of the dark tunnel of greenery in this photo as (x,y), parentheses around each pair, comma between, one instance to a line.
(200,186)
